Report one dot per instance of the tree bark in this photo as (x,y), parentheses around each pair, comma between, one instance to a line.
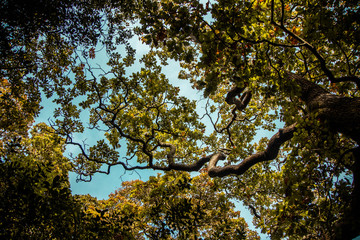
(342,114)
(270,153)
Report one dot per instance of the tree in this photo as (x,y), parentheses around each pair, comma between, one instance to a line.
(260,64)
(36,201)
(172,206)
(295,61)
(40,44)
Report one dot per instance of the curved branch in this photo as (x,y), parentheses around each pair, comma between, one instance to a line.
(233,97)
(253,209)
(270,153)
(196,166)
(171,154)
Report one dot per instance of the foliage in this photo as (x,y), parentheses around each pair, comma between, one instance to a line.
(41,48)
(17,114)
(36,201)
(259,64)
(173,206)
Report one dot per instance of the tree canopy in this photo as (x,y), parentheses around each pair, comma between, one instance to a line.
(290,68)
(173,206)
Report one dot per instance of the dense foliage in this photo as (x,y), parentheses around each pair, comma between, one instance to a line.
(173,206)
(260,65)
(35,198)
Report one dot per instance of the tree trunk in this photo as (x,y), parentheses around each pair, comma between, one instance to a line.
(342,114)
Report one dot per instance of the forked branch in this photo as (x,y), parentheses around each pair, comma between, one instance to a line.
(196,166)
(270,153)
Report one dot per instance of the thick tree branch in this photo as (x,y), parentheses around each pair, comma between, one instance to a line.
(308,90)
(270,153)
(342,114)
(354,79)
(233,97)
(196,166)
